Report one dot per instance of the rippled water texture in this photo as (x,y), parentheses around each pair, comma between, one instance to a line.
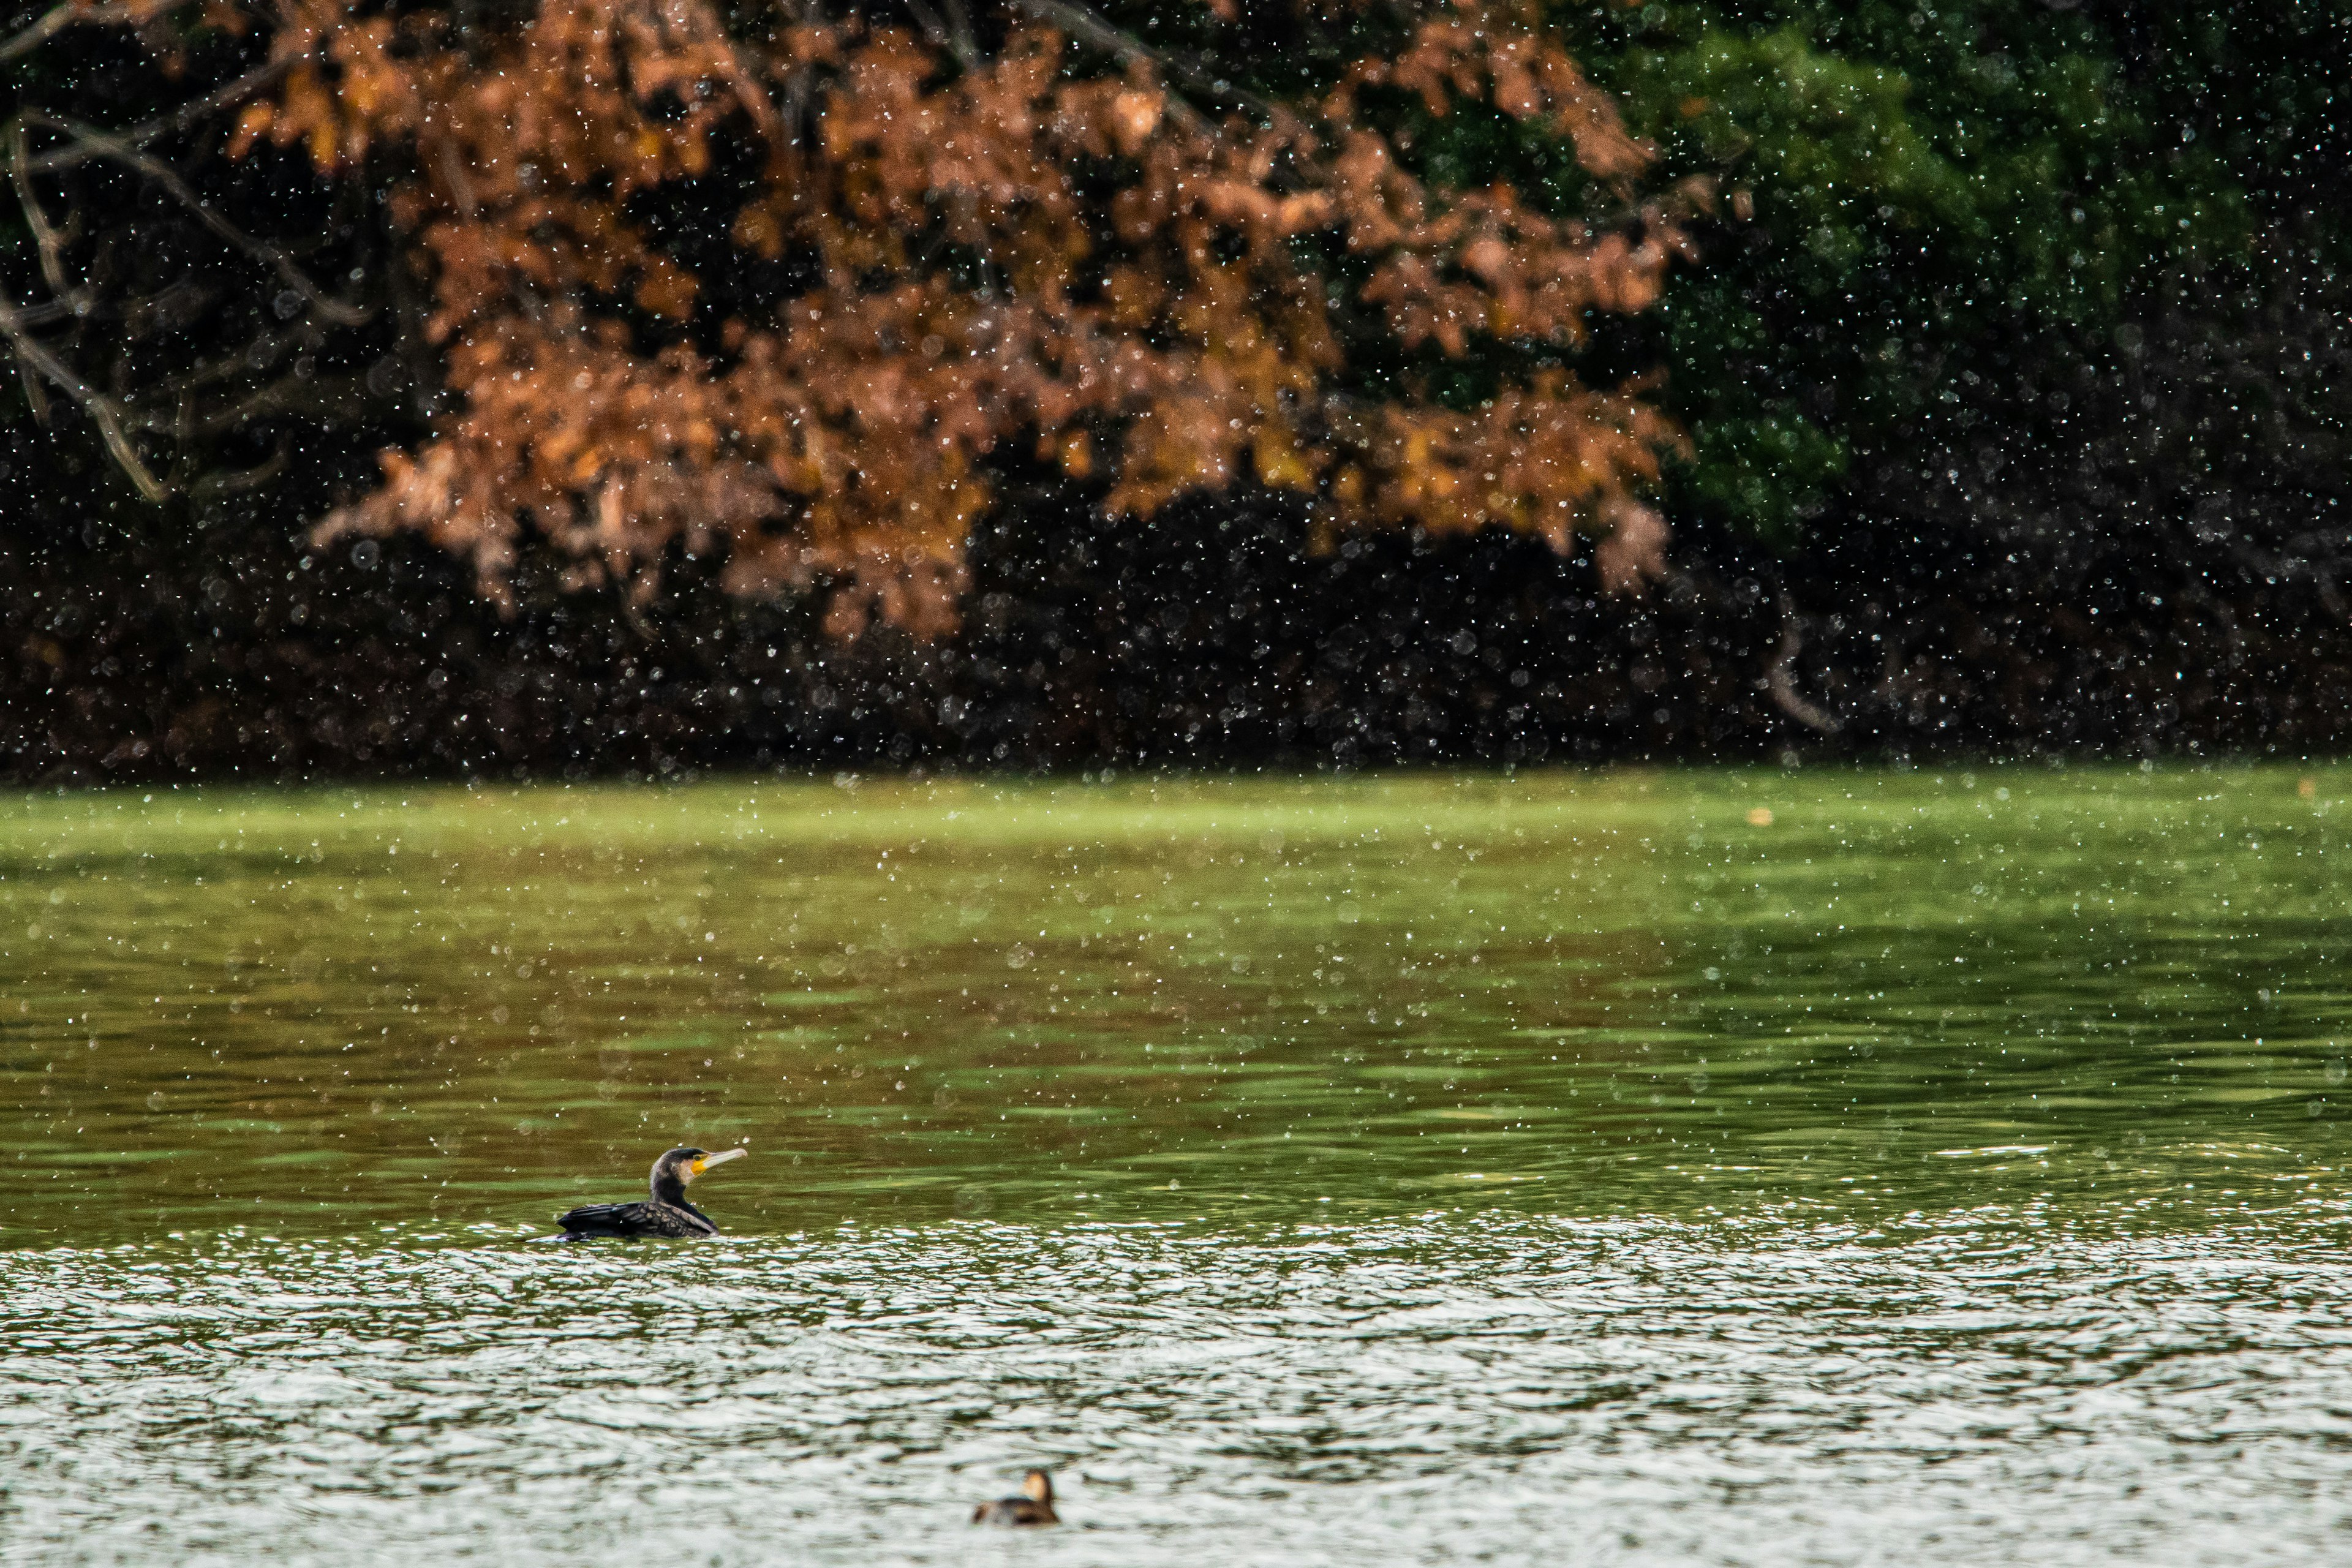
(1721,1167)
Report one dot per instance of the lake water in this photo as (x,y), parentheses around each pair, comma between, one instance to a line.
(1741,1167)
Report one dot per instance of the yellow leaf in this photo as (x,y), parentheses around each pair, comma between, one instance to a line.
(1279,462)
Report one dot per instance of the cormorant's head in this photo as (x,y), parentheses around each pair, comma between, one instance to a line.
(1038,1487)
(679,1166)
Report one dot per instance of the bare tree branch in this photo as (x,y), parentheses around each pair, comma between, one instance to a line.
(287,395)
(71,13)
(262,352)
(181,119)
(1127,49)
(237,482)
(40,32)
(40,365)
(36,397)
(959,45)
(1781,680)
(103,411)
(73,303)
(163,175)
(958,17)
(45,235)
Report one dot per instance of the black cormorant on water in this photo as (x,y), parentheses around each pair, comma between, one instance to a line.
(667,1213)
(1034,1506)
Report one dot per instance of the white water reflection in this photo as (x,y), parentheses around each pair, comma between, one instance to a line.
(1968,1388)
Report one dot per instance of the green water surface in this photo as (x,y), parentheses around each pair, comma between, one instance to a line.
(1155,999)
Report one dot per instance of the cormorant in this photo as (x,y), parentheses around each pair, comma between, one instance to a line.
(667,1213)
(1034,1506)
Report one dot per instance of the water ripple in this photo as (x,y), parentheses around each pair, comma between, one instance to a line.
(1450,1388)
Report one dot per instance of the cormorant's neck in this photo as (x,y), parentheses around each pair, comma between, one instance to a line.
(668,1189)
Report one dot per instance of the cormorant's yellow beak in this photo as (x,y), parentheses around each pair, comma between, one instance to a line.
(695,1167)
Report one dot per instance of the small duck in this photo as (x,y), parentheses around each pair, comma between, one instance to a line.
(665,1213)
(1034,1506)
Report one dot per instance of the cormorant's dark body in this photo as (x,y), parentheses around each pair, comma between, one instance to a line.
(650,1217)
(665,1213)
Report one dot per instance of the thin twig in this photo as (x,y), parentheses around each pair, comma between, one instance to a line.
(163,175)
(288,393)
(267,349)
(36,397)
(453,169)
(45,235)
(73,303)
(960,29)
(103,411)
(1782,682)
(2331,597)
(237,482)
(1127,49)
(40,32)
(935,29)
(179,119)
(63,16)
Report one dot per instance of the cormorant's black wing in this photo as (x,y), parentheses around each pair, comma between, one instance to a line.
(605,1219)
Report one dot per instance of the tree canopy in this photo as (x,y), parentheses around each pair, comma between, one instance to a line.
(791,281)
(1962,343)
(1986,240)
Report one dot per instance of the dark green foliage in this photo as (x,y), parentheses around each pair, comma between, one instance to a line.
(1949,199)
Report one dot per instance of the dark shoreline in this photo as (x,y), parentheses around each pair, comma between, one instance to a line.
(1214,637)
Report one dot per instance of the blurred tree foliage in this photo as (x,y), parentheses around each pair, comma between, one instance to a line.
(786,284)
(1957,232)
(1962,209)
